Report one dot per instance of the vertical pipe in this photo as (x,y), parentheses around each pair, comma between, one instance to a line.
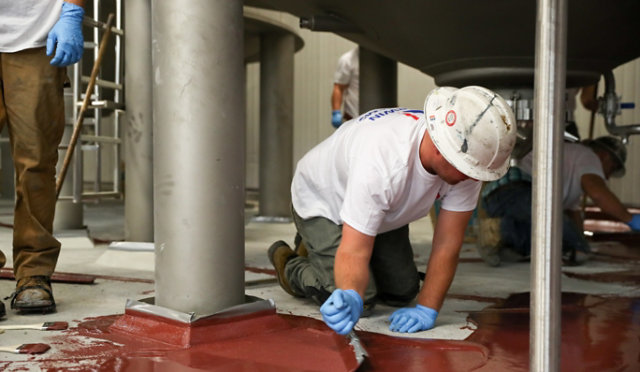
(378,81)
(138,138)
(549,87)
(199,150)
(276,123)
(117,97)
(97,92)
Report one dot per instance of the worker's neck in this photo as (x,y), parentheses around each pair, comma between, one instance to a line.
(428,153)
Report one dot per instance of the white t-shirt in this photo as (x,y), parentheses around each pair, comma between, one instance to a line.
(368,174)
(348,73)
(578,160)
(25,24)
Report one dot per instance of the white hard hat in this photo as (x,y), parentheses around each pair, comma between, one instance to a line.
(473,128)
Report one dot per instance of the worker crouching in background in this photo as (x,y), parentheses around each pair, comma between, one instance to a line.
(507,201)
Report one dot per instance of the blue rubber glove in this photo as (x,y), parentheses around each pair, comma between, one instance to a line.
(66,36)
(634,224)
(336,118)
(413,319)
(342,310)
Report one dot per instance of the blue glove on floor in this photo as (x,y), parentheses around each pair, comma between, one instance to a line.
(336,118)
(413,319)
(66,36)
(634,224)
(342,310)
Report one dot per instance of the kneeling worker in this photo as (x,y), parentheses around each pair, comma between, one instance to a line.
(355,193)
(586,167)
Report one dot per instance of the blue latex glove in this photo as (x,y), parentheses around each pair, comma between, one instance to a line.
(336,118)
(634,224)
(66,36)
(413,319)
(342,310)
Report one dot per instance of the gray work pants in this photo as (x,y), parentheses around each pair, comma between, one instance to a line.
(393,275)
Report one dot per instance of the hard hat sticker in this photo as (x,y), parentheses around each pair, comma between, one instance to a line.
(450,118)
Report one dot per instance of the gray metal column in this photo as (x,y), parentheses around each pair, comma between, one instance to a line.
(138,138)
(378,81)
(549,87)
(199,151)
(276,124)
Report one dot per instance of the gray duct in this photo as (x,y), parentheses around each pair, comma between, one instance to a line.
(327,23)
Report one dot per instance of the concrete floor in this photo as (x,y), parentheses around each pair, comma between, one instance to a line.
(123,275)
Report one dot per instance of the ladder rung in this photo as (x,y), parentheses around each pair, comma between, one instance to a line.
(99,24)
(103,83)
(103,104)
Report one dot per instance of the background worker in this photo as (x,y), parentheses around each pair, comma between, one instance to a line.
(346,91)
(38,38)
(586,168)
(355,193)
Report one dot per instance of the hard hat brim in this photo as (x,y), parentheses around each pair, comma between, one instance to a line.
(440,131)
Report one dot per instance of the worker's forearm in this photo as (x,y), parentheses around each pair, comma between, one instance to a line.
(596,188)
(440,272)
(336,97)
(612,206)
(351,270)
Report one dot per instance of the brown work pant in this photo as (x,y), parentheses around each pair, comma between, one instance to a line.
(32,107)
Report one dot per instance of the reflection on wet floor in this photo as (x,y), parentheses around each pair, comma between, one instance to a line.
(598,333)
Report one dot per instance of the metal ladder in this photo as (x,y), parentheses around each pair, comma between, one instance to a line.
(93,140)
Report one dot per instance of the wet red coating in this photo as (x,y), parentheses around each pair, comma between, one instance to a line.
(33,348)
(294,344)
(598,333)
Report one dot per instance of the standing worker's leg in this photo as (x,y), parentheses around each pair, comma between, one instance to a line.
(394,270)
(33,98)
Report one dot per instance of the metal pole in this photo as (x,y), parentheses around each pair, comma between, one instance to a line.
(378,81)
(549,87)
(138,141)
(199,153)
(276,124)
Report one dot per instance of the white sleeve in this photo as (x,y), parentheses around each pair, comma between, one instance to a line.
(462,197)
(342,75)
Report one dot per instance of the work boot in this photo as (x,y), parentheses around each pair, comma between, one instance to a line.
(488,241)
(279,254)
(33,295)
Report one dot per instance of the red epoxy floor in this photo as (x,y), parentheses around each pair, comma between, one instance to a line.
(598,334)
